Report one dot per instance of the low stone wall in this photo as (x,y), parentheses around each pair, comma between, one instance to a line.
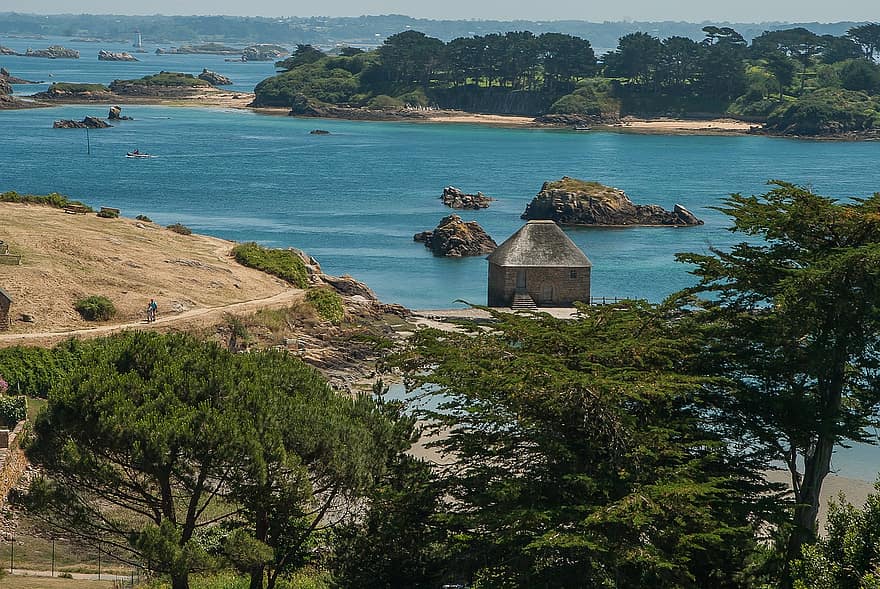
(12,462)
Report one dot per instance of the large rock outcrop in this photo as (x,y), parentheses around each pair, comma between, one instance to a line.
(454,198)
(113,56)
(575,202)
(454,238)
(264,52)
(86,123)
(214,78)
(53,52)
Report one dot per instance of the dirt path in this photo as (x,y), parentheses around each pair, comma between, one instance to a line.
(187,319)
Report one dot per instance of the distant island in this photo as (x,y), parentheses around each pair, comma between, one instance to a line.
(169,85)
(792,81)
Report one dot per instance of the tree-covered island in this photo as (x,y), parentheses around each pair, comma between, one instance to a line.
(796,81)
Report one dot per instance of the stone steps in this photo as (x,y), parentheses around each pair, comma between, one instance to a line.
(523,301)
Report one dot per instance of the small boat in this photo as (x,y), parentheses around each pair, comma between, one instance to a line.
(582,128)
(137,154)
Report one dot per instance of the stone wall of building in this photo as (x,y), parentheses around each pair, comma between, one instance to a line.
(12,462)
(548,287)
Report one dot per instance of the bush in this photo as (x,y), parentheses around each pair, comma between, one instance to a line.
(106,214)
(144,218)
(12,410)
(327,303)
(74,88)
(31,371)
(59,201)
(826,111)
(95,308)
(384,102)
(284,264)
(414,98)
(181,229)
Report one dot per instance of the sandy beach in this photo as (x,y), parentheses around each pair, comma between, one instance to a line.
(670,126)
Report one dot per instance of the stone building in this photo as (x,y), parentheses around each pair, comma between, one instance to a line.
(5,303)
(538,266)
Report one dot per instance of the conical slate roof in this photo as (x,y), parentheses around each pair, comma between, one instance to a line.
(542,244)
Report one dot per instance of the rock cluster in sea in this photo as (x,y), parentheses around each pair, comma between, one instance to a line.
(454,238)
(263,52)
(454,198)
(86,123)
(576,202)
(214,78)
(114,56)
(53,52)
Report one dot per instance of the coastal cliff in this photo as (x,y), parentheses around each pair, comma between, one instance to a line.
(576,202)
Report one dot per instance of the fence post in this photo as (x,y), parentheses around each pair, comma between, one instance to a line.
(12,554)
(53,556)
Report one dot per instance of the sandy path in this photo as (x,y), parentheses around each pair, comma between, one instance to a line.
(190,318)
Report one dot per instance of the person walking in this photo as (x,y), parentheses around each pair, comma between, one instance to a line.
(151,311)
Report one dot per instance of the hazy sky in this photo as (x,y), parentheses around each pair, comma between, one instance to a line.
(690,10)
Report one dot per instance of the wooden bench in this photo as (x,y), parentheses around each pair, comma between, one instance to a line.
(76,209)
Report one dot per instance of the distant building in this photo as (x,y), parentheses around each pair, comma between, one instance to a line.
(5,304)
(538,266)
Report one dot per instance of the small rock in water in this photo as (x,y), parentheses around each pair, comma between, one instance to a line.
(319,132)
(456,199)
(453,238)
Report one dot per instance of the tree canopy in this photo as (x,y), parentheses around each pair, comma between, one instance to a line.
(150,440)
(793,323)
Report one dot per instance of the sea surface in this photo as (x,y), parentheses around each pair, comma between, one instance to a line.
(87,69)
(353,199)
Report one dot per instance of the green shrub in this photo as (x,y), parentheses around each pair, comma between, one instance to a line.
(284,264)
(164,79)
(107,214)
(31,371)
(95,308)
(59,201)
(327,303)
(12,410)
(827,111)
(144,218)
(414,98)
(74,88)
(384,102)
(181,229)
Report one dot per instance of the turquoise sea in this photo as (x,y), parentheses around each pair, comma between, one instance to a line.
(353,199)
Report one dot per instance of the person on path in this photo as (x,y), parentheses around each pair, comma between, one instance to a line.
(151,311)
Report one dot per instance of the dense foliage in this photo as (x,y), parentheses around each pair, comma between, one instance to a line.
(848,555)
(12,410)
(95,308)
(284,264)
(31,371)
(792,325)
(576,454)
(793,76)
(151,440)
(327,303)
(74,88)
(53,199)
(166,79)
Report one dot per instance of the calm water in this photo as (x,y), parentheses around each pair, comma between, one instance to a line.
(354,199)
(87,69)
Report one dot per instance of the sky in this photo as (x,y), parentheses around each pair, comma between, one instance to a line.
(643,10)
